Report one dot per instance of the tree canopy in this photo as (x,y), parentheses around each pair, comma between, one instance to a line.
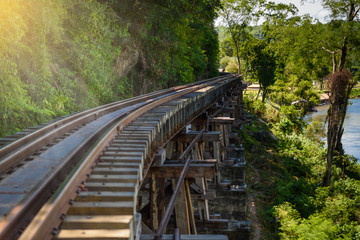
(295,59)
(59,57)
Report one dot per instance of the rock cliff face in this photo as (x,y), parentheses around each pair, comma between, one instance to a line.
(128,58)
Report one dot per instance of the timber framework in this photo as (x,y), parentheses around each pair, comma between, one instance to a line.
(164,165)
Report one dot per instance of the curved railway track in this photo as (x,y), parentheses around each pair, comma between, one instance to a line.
(77,178)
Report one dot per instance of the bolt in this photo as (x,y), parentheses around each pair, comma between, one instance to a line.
(55,231)
(63,216)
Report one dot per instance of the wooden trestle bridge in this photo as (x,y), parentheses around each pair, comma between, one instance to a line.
(142,168)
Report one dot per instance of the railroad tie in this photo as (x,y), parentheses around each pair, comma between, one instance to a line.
(106,209)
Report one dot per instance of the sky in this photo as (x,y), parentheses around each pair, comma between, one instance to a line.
(312,7)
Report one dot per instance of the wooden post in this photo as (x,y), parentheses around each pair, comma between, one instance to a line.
(191,210)
(154,211)
(182,211)
(202,204)
(216,149)
(239,108)
(161,196)
(169,149)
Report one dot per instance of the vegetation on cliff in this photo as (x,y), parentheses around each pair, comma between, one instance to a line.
(59,57)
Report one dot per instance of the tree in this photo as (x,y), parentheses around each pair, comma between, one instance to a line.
(344,39)
(237,16)
(263,63)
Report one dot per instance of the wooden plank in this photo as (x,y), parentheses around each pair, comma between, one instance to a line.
(104,196)
(217,154)
(207,196)
(213,223)
(160,157)
(224,109)
(181,211)
(130,141)
(207,136)
(102,208)
(195,170)
(125,149)
(123,153)
(185,237)
(154,210)
(113,178)
(111,164)
(97,222)
(206,161)
(222,121)
(190,208)
(202,204)
(133,137)
(232,149)
(109,234)
(122,159)
(137,226)
(110,171)
(110,186)
(135,144)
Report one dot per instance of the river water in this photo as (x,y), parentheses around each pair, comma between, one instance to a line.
(351,136)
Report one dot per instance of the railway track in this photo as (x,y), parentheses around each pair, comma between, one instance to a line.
(77,178)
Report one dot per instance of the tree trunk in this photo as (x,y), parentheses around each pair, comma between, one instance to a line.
(340,85)
(237,54)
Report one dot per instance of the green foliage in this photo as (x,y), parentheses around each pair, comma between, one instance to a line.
(58,57)
(261,109)
(225,61)
(263,64)
(232,67)
(293,227)
(355,93)
(302,208)
(176,40)
(305,210)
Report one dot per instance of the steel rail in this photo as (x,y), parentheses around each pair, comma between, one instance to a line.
(50,214)
(28,138)
(15,152)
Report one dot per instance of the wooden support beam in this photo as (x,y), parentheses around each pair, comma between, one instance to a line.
(222,121)
(213,224)
(171,205)
(185,237)
(195,170)
(232,149)
(223,109)
(206,161)
(212,216)
(210,195)
(169,150)
(207,136)
(160,157)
